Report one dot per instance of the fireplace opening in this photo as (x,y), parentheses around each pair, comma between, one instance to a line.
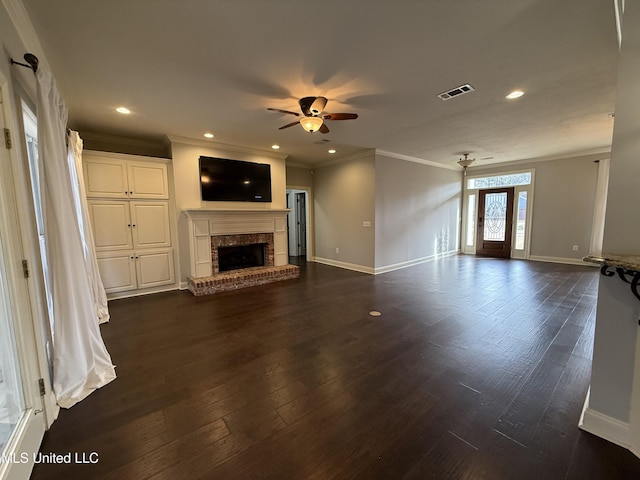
(241,256)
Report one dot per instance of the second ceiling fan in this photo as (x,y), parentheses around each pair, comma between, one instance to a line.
(313,115)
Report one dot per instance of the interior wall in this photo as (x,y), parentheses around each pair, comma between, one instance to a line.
(563,204)
(344,198)
(186,174)
(417,211)
(615,356)
(299,177)
(131,146)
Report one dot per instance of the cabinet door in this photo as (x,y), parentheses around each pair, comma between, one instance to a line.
(154,268)
(111,224)
(148,180)
(150,224)
(117,271)
(106,178)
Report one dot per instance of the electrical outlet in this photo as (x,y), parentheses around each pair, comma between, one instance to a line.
(337,250)
(575,248)
(366,223)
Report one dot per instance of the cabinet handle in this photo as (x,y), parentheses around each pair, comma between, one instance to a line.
(133,225)
(131,257)
(129,225)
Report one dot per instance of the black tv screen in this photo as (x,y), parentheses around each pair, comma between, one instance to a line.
(223,180)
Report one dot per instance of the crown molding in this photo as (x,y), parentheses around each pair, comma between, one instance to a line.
(226,147)
(417,160)
(596,153)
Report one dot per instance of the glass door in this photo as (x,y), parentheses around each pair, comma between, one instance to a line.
(495,213)
(22,418)
(12,405)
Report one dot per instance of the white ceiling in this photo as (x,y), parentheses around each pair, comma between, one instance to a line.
(191,66)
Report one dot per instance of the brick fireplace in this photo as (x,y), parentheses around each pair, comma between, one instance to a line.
(210,230)
(248,239)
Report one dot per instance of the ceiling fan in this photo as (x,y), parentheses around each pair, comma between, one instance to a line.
(313,115)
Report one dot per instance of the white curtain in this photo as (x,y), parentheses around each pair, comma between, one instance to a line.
(99,295)
(81,362)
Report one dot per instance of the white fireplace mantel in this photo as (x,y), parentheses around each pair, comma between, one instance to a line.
(204,223)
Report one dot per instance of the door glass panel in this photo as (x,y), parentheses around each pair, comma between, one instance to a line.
(30,123)
(521,221)
(508,180)
(471,220)
(495,216)
(11,397)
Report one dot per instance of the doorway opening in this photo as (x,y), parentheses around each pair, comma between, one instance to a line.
(298,223)
(479,235)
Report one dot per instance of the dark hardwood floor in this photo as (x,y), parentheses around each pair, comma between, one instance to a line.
(476,369)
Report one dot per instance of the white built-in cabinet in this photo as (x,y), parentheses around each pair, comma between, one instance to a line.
(129,207)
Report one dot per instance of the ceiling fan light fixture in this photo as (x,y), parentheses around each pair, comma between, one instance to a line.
(466,162)
(311,124)
(317,107)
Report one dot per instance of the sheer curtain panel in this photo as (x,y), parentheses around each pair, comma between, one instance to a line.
(81,363)
(82,207)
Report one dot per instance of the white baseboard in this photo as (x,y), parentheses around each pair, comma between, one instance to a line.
(345,265)
(388,268)
(567,261)
(411,263)
(139,293)
(609,428)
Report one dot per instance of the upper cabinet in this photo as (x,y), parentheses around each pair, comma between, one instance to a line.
(114,178)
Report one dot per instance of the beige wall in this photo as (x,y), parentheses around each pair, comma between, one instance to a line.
(299,177)
(563,204)
(417,211)
(186,173)
(344,197)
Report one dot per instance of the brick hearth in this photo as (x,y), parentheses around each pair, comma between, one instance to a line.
(246,277)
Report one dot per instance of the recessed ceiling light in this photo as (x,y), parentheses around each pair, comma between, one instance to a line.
(515,94)
(208,135)
(123,110)
(333,150)
(275,147)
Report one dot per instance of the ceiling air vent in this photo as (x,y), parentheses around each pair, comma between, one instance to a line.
(454,92)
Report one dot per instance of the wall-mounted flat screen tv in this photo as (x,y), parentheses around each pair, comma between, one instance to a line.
(223,180)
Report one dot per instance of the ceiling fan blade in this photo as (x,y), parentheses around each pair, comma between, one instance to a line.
(323,128)
(289,125)
(283,111)
(340,116)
